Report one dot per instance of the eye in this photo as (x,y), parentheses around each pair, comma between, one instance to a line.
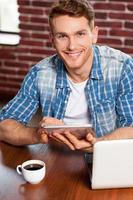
(81,33)
(61,36)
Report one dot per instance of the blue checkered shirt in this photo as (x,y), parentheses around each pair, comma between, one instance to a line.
(109,91)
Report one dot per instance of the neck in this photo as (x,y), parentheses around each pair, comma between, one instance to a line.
(78,78)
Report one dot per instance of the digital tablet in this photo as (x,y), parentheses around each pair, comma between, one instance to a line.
(79,130)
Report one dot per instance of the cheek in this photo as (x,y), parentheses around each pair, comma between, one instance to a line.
(57,46)
(86,41)
(60,48)
(86,45)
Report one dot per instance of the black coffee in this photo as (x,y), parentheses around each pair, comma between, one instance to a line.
(33,167)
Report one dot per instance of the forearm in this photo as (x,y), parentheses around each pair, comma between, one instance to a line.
(15,133)
(120,133)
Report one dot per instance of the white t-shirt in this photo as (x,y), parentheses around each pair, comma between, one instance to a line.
(77,111)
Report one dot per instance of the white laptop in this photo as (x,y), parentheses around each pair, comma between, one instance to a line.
(112,164)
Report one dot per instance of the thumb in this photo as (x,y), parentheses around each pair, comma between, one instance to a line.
(42,135)
(44,138)
(90,138)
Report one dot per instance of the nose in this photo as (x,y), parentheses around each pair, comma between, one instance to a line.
(71,43)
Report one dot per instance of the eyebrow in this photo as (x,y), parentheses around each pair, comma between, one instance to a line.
(60,33)
(82,30)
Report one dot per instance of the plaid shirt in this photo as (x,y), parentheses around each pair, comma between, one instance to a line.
(109,91)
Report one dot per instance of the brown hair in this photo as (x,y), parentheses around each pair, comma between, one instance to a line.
(73,8)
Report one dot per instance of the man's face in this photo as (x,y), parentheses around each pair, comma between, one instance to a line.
(73,39)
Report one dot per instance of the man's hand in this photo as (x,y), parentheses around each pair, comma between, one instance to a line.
(66,137)
(42,133)
(85,144)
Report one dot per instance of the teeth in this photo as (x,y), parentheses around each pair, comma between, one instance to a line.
(73,54)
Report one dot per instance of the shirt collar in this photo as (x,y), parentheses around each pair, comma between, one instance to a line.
(61,80)
(96,72)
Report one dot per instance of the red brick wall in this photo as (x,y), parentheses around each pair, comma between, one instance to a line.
(114,17)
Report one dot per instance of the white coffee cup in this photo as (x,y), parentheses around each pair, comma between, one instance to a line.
(33,171)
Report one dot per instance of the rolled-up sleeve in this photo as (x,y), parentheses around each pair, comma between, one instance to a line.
(24,105)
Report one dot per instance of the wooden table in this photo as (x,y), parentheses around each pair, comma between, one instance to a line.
(66,176)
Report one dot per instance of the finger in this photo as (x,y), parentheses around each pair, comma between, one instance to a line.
(52,137)
(42,122)
(90,138)
(91,131)
(44,138)
(78,144)
(42,131)
(62,139)
(42,135)
(88,150)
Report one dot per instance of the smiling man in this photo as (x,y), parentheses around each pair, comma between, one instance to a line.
(83,83)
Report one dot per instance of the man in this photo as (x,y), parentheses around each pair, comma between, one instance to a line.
(83,83)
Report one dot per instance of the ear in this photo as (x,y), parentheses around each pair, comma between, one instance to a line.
(95,34)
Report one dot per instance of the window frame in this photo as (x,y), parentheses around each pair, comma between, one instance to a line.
(9,35)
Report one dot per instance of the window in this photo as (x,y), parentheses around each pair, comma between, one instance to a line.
(9,21)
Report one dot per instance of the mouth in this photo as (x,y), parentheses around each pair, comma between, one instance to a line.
(73,54)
